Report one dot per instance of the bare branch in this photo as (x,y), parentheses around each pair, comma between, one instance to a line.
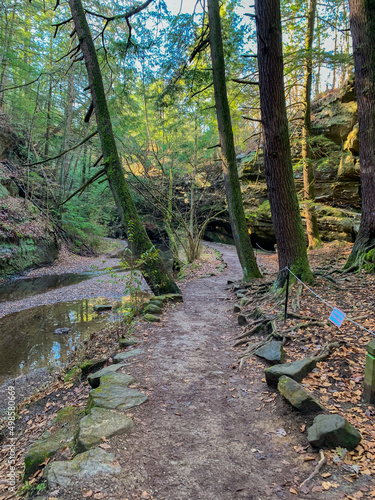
(64,152)
(244,82)
(202,90)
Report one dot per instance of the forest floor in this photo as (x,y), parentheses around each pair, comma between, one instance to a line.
(209,431)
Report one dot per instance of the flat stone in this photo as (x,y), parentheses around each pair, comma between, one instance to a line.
(297,370)
(242,321)
(333,431)
(62,331)
(101,423)
(272,351)
(83,467)
(151,318)
(94,378)
(236,308)
(122,356)
(60,433)
(128,342)
(102,307)
(298,396)
(114,396)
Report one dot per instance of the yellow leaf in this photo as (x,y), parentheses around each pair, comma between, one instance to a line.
(326,485)
(292,490)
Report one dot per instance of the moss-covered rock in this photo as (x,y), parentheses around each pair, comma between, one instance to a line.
(298,396)
(333,431)
(151,318)
(60,433)
(297,370)
(113,394)
(100,423)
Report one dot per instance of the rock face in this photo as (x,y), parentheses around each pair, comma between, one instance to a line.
(59,435)
(122,356)
(272,351)
(333,431)
(81,468)
(298,396)
(101,423)
(297,370)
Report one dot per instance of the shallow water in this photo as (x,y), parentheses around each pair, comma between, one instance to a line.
(28,341)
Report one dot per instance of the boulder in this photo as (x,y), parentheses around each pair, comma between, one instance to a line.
(333,431)
(98,424)
(122,356)
(298,396)
(94,378)
(83,467)
(272,351)
(297,370)
(60,434)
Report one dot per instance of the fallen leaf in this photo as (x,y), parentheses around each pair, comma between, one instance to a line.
(326,474)
(88,494)
(292,490)
(105,446)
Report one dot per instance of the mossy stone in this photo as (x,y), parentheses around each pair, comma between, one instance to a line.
(151,318)
(298,396)
(297,370)
(60,433)
(333,431)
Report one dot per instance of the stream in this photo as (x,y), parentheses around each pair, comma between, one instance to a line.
(32,308)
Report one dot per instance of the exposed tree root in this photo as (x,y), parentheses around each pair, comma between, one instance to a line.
(326,351)
(315,472)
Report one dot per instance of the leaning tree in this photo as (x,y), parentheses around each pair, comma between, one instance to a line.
(152,266)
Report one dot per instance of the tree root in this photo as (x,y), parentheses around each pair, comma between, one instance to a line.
(315,472)
(255,327)
(326,351)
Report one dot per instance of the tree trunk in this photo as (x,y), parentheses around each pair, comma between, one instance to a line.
(154,269)
(232,185)
(362,23)
(308,171)
(277,156)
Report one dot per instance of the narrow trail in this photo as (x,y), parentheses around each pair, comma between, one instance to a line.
(205,432)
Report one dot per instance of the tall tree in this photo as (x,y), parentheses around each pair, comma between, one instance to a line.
(232,185)
(277,155)
(154,269)
(308,171)
(362,24)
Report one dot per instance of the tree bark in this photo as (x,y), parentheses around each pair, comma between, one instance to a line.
(154,269)
(308,171)
(362,24)
(232,185)
(277,156)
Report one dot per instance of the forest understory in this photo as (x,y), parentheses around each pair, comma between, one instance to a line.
(212,428)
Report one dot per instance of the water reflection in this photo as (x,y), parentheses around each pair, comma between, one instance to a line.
(28,342)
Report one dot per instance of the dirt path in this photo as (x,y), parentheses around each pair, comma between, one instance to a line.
(208,431)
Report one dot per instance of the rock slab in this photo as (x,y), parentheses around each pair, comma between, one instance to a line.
(112,394)
(333,431)
(81,468)
(298,396)
(272,351)
(101,423)
(122,356)
(297,370)
(128,342)
(94,378)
